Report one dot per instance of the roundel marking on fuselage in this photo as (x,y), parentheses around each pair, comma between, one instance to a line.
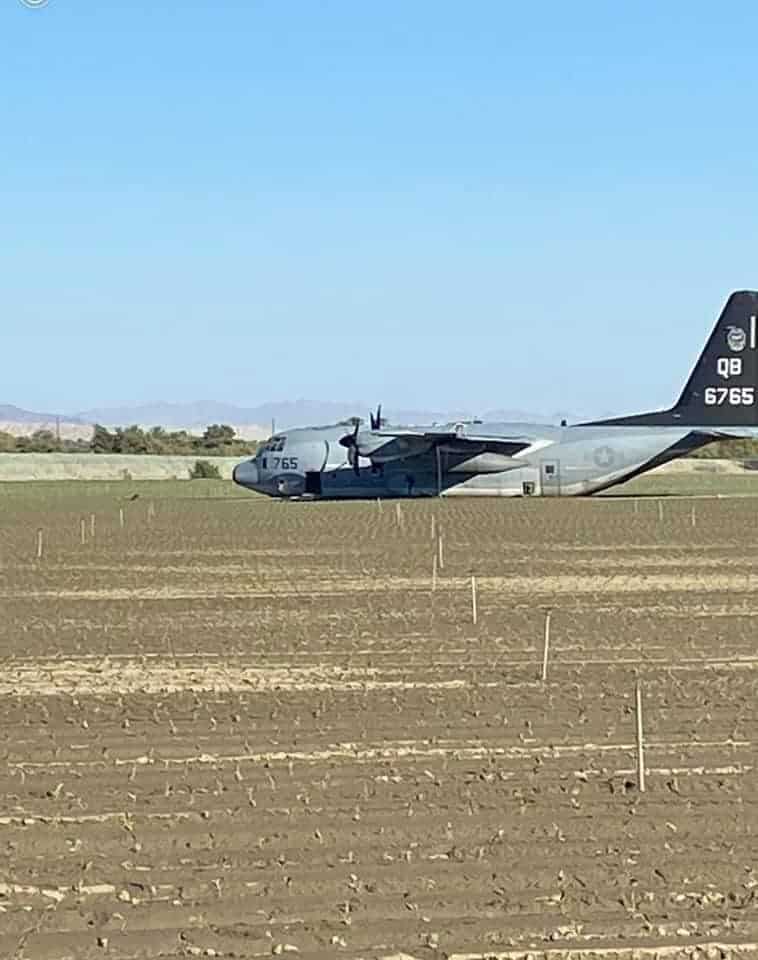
(604,456)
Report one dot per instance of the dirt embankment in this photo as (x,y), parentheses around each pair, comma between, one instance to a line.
(103,466)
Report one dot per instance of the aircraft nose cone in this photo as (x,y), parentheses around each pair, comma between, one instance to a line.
(245,474)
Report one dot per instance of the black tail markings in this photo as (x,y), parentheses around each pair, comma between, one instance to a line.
(722,390)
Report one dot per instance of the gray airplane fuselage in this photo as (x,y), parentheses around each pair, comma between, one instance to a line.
(561,461)
(719,400)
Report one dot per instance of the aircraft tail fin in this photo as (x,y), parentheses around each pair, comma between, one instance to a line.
(722,390)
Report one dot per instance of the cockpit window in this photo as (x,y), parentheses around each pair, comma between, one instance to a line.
(274,445)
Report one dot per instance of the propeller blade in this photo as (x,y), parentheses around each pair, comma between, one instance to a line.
(352,459)
(350,441)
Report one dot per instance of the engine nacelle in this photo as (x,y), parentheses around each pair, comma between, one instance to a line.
(383,450)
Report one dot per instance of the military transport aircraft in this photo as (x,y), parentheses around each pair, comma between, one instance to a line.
(521,459)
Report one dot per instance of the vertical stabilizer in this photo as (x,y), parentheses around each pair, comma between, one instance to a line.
(722,390)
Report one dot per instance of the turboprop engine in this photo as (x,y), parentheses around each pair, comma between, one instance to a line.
(383,449)
(380,449)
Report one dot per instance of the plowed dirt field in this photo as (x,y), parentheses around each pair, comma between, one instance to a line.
(239,728)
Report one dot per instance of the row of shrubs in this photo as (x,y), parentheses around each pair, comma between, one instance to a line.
(218,440)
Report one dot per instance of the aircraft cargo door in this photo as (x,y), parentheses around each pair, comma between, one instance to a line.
(550,478)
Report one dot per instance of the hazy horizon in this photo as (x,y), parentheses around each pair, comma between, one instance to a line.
(286,414)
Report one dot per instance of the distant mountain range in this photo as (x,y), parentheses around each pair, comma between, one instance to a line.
(12,414)
(297,413)
(252,422)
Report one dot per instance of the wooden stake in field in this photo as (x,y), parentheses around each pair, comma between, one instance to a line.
(92,525)
(379,504)
(693,519)
(434,528)
(640,740)
(440,551)
(150,512)
(83,530)
(546,647)
(39,543)
(473,599)
(399,516)
(121,517)
(660,511)
(434,571)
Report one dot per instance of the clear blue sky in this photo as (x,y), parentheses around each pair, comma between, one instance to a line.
(430,203)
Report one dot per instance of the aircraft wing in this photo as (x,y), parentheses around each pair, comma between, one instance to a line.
(508,446)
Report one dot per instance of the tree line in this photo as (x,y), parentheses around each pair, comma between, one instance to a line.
(218,440)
